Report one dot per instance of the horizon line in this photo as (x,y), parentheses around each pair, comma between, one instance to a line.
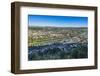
(54,26)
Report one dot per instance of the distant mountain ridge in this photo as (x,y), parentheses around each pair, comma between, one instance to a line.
(54,27)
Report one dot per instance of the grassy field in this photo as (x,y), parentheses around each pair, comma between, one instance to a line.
(46,43)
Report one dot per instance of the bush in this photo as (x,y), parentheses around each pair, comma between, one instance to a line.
(72,51)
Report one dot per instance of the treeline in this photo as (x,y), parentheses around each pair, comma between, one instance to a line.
(74,51)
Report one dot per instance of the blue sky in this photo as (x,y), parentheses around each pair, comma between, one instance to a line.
(57,21)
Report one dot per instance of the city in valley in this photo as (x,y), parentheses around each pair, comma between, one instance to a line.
(45,43)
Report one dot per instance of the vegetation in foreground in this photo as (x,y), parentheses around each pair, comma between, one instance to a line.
(58,51)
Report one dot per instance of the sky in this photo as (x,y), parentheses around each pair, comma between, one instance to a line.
(57,21)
